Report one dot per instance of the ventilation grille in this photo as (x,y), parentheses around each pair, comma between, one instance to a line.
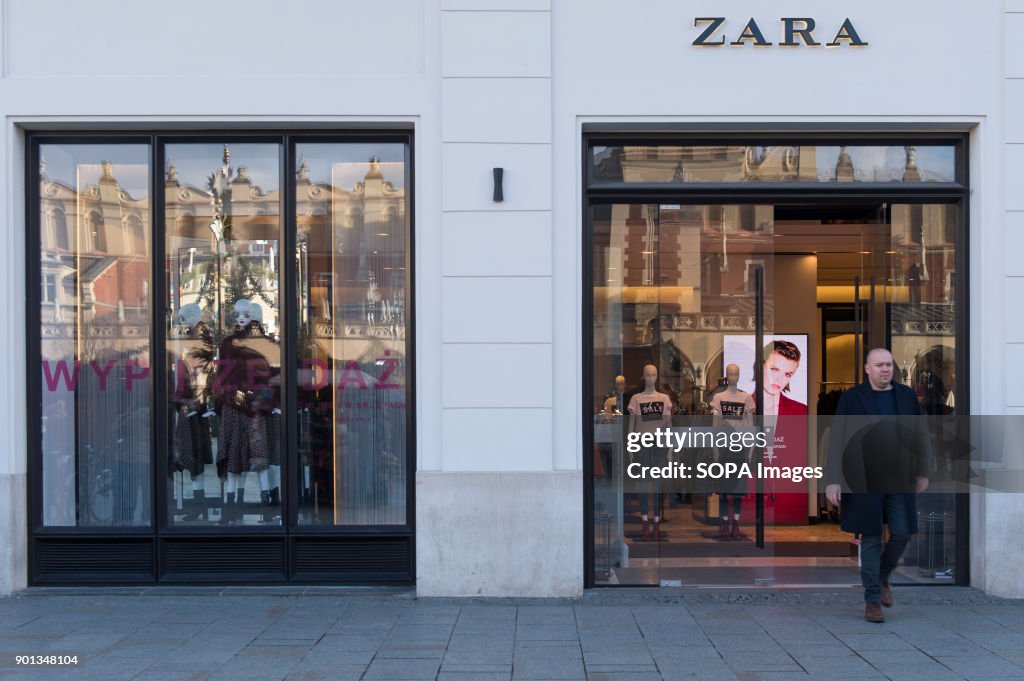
(107,560)
(223,560)
(385,559)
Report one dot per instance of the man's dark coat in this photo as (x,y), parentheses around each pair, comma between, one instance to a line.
(859,437)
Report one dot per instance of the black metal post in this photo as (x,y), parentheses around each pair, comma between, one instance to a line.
(856,329)
(872,336)
(759,391)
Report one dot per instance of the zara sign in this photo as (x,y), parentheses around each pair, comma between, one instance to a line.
(796,31)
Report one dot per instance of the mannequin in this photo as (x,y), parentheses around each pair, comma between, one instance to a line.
(192,441)
(615,403)
(735,408)
(648,411)
(247,404)
(270,398)
(612,410)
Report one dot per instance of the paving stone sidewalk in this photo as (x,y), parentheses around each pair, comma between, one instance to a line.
(165,634)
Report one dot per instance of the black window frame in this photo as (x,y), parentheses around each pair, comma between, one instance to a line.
(370,554)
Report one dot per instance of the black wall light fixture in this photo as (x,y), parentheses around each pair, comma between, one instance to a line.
(499,194)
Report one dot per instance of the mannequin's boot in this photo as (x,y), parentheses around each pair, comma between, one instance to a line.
(725,530)
(267,514)
(734,530)
(275,496)
(656,533)
(240,502)
(229,509)
(195,508)
(645,531)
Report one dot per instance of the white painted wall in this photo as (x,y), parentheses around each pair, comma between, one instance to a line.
(510,83)
(496,484)
(996,544)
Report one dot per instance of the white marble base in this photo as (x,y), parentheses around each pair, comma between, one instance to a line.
(499,534)
(14,530)
(1003,546)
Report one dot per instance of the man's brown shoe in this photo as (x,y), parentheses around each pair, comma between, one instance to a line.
(887,595)
(873,613)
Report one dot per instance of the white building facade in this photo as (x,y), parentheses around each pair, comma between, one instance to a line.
(490,478)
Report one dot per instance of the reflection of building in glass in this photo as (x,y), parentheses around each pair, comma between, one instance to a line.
(670,276)
(355,241)
(247,247)
(94,318)
(671,280)
(923,300)
(766,163)
(352,326)
(95,245)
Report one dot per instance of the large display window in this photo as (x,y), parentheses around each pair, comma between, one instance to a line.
(94,337)
(738,284)
(223,345)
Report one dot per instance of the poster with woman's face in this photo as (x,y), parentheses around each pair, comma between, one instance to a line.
(786,368)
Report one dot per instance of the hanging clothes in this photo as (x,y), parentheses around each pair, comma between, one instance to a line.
(246,402)
(192,441)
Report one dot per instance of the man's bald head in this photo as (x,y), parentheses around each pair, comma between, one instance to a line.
(879,367)
(878,352)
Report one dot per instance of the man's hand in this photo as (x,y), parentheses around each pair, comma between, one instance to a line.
(921,485)
(834,493)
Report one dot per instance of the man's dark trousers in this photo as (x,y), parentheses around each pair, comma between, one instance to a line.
(877,564)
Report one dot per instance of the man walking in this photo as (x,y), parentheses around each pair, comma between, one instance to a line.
(885,461)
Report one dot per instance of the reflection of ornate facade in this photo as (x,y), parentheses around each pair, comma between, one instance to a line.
(94,313)
(95,268)
(699,257)
(671,280)
(716,164)
(353,247)
(246,249)
(780,163)
(96,241)
(351,260)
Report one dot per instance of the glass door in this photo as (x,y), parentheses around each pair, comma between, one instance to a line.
(724,318)
(854,241)
(682,313)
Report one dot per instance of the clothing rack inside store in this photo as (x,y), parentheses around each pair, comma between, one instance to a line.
(828,395)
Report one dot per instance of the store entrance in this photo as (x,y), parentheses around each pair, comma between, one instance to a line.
(718,302)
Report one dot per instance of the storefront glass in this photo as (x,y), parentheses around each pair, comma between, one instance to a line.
(94,307)
(257,428)
(772,163)
(677,293)
(673,287)
(352,299)
(222,218)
